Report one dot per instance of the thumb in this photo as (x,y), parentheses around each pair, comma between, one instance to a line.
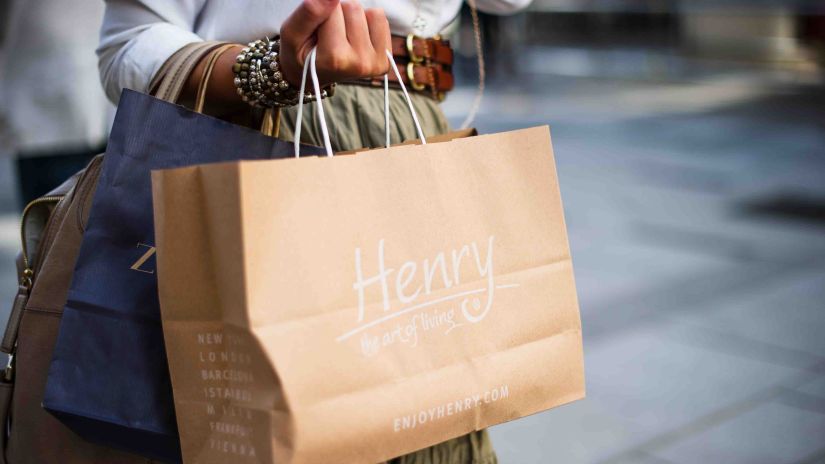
(305,20)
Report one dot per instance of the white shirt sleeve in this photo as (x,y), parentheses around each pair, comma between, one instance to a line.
(138,36)
(502,7)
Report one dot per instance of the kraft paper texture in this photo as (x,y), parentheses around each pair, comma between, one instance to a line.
(357,308)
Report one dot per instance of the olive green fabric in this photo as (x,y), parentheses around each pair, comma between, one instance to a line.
(355,117)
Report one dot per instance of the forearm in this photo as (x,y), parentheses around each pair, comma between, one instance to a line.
(136,41)
(138,36)
(221,96)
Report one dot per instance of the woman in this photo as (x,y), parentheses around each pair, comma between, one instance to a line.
(139,35)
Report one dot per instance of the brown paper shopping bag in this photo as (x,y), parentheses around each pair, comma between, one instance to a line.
(356,308)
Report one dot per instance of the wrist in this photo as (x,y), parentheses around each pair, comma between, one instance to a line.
(259,77)
(290,67)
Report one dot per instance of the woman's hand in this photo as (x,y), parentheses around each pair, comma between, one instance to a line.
(352,42)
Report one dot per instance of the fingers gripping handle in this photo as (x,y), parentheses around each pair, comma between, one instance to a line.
(310,68)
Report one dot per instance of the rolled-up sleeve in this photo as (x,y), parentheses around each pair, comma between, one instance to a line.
(138,36)
(502,7)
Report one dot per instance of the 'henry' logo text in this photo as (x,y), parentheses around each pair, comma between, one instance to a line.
(406,308)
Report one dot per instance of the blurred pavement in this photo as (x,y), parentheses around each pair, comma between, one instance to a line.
(696,213)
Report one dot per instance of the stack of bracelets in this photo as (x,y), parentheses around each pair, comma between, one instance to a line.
(259,80)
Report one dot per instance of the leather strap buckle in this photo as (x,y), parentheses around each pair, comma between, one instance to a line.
(411,49)
(411,76)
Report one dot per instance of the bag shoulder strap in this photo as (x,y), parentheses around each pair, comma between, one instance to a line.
(170,79)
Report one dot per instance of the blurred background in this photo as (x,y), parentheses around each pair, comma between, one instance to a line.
(690,143)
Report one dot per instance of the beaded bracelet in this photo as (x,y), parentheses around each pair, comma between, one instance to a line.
(259,80)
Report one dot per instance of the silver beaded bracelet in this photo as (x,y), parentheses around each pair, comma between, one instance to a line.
(259,80)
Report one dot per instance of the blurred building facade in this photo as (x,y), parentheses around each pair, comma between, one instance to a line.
(53,113)
(657,39)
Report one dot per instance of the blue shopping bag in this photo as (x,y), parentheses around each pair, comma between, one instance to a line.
(109,379)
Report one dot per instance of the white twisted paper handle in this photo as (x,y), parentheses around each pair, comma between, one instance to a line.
(309,65)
